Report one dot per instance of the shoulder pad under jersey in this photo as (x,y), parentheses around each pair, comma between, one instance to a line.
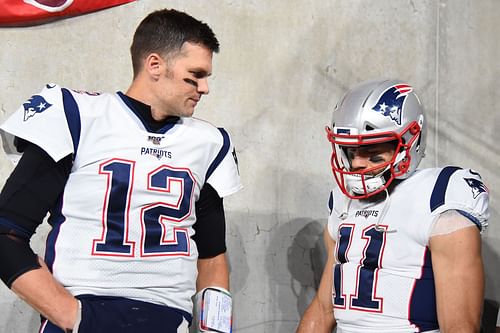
(462,190)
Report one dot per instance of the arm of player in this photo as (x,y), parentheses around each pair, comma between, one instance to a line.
(39,289)
(213,272)
(318,316)
(212,302)
(30,191)
(459,279)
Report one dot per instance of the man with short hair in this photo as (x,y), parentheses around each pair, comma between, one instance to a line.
(134,188)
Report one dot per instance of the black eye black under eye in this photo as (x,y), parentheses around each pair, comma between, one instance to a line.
(377,159)
(191,82)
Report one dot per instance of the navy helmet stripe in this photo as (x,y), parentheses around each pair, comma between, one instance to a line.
(222,153)
(439,191)
(73,118)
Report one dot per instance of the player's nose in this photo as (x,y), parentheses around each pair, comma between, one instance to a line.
(358,163)
(203,86)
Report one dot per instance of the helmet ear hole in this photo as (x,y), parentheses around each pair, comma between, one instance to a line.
(404,165)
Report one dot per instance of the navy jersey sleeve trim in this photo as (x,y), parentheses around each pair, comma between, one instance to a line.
(472,219)
(73,118)
(439,192)
(222,153)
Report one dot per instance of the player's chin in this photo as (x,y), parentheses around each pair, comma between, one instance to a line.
(187,112)
(189,109)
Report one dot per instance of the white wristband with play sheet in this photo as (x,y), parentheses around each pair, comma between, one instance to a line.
(214,310)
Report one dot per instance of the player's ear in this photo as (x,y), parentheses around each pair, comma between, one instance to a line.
(154,65)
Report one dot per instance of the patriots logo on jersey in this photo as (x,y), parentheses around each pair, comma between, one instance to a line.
(477,186)
(158,153)
(390,103)
(366,213)
(36,104)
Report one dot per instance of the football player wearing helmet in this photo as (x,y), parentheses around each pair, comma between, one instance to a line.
(404,247)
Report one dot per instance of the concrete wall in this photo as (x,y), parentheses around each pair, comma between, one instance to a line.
(282,66)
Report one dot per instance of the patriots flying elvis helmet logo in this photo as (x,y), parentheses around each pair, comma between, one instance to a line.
(390,103)
(477,186)
(36,104)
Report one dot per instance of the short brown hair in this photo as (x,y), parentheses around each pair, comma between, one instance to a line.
(165,31)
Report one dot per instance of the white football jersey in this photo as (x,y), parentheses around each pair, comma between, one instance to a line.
(123,225)
(383,279)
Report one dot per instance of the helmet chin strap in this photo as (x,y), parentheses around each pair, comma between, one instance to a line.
(345,209)
(387,202)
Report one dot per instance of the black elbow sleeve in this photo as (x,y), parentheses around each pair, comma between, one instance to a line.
(210,226)
(16,257)
(29,192)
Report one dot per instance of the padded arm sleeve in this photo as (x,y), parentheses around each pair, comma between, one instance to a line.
(210,226)
(31,190)
(16,257)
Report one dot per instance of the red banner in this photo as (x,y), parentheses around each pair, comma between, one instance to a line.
(29,12)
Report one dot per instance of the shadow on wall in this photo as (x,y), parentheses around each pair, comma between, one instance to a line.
(305,258)
(237,259)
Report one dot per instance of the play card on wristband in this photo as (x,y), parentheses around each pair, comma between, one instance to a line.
(216,311)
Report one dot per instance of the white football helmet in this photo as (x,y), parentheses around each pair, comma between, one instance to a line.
(371,113)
